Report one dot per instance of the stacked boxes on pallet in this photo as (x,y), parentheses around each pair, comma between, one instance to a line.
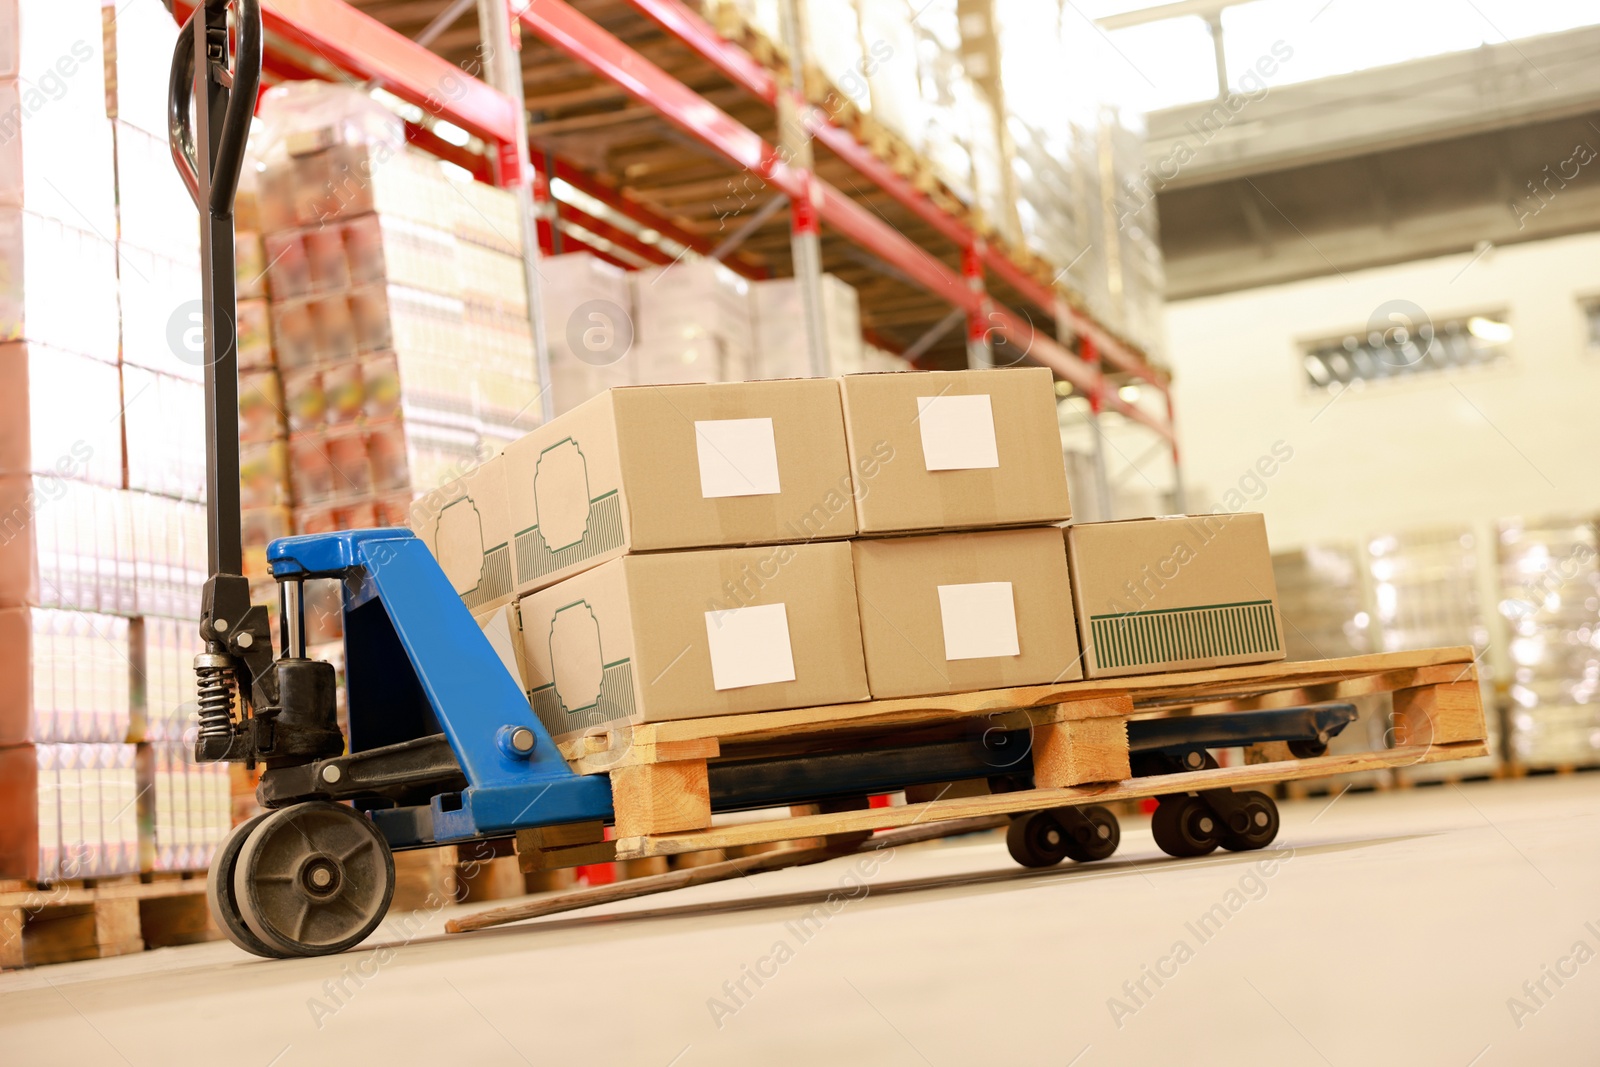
(694,550)
(1549,581)
(102,549)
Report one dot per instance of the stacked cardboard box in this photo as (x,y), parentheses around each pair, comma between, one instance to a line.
(588,315)
(781,348)
(693,550)
(693,324)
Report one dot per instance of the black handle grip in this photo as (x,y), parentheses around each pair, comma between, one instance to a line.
(222,183)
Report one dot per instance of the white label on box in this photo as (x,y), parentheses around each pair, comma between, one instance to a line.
(980,620)
(738,457)
(957,432)
(750,646)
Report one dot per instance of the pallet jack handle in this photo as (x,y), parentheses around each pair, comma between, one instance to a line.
(208,150)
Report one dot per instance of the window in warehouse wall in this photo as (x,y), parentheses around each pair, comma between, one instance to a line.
(1591,321)
(1404,349)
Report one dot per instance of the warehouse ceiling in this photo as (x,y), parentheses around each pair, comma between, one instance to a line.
(1437,156)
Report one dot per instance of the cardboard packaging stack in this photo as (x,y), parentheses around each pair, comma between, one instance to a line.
(780,338)
(662,553)
(381,272)
(694,325)
(102,533)
(588,315)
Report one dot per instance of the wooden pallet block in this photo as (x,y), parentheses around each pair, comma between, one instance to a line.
(98,918)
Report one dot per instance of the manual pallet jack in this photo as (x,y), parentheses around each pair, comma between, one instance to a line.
(443,747)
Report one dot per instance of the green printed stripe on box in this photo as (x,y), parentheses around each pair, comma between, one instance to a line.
(535,559)
(495,581)
(615,702)
(1136,638)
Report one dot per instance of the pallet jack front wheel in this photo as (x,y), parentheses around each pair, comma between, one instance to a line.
(313,879)
(1260,816)
(220,897)
(1093,833)
(1035,839)
(1185,826)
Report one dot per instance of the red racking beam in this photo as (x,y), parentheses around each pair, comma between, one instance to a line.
(580,37)
(363,47)
(626,205)
(615,234)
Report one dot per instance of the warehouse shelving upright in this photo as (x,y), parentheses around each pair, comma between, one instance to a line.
(329,38)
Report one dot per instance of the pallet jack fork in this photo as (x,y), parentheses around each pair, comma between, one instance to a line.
(443,746)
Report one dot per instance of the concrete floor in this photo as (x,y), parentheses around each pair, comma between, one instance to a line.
(1396,928)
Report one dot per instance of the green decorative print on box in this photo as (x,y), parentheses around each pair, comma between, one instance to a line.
(495,582)
(572,526)
(478,573)
(584,690)
(614,702)
(1135,638)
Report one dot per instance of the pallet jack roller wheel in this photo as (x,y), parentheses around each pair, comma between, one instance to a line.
(1185,826)
(1093,833)
(313,879)
(1036,839)
(221,900)
(1260,816)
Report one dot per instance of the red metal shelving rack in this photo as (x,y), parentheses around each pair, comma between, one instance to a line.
(304,35)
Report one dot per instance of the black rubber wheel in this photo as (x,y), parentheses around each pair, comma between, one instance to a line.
(1261,817)
(1306,749)
(1092,833)
(219,893)
(1185,826)
(314,879)
(1035,839)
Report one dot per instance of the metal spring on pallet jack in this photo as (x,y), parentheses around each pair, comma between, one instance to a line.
(215,685)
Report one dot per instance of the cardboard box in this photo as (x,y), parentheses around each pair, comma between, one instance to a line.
(678,635)
(952,613)
(781,350)
(588,315)
(467,527)
(685,466)
(1181,592)
(969,448)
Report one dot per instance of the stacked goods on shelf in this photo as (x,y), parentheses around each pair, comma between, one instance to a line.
(693,324)
(102,551)
(1549,585)
(264,499)
(781,348)
(1425,593)
(382,272)
(588,315)
(1003,108)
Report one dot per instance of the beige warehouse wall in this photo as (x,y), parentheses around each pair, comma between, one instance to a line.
(1453,447)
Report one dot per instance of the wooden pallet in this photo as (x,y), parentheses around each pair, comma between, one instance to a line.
(96,918)
(659,775)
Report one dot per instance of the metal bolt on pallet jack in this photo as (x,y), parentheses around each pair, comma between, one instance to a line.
(443,745)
